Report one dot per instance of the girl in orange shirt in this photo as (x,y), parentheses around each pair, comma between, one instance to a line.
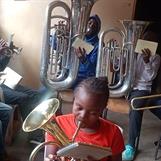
(90,99)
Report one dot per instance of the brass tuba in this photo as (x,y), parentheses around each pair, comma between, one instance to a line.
(59,63)
(40,118)
(118,56)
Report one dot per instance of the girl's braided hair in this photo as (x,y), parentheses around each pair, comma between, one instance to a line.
(95,85)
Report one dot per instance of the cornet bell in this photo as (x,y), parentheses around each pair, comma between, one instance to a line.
(40,115)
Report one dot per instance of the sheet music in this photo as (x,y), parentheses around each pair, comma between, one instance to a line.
(144,44)
(80,43)
(83,150)
(10,78)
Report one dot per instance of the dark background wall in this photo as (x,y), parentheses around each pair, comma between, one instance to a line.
(149,10)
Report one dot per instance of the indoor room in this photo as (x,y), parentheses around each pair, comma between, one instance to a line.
(94,61)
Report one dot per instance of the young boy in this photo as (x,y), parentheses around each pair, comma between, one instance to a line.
(90,98)
(147,65)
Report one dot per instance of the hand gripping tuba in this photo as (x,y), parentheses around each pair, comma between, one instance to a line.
(118,57)
(59,63)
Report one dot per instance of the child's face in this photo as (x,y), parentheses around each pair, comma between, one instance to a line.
(91,27)
(88,107)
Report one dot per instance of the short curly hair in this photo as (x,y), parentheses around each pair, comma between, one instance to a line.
(95,85)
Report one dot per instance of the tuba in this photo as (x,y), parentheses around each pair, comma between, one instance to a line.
(117,58)
(59,63)
(42,118)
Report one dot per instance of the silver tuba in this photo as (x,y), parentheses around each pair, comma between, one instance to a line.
(59,63)
(117,58)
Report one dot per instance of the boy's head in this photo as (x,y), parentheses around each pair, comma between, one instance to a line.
(93,26)
(90,98)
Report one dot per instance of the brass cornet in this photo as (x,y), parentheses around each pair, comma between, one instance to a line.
(40,118)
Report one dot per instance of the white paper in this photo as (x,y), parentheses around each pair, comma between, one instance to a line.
(144,44)
(82,44)
(11,78)
(83,150)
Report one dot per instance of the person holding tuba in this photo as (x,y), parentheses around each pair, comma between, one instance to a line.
(90,98)
(147,65)
(87,65)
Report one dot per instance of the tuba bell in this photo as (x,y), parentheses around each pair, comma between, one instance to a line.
(59,63)
(40,118)
(118,56)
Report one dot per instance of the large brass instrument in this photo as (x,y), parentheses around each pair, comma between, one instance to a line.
(117,57)
(148,98)
(40,118)
(59,64)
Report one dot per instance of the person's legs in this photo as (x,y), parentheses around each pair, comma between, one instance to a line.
(135,117)
(135,120)
(156,111)
(35,97)
(32,96)
(45,93)
(26,90)
(13,97)
(2,150)
(5,113)
(25,101)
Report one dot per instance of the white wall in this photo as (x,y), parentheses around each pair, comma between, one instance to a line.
(26,18)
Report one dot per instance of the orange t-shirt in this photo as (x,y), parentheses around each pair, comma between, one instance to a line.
(108,134)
